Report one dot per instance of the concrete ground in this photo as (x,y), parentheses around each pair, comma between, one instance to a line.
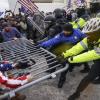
(47,90)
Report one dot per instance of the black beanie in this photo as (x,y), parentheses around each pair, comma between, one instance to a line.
(68,27)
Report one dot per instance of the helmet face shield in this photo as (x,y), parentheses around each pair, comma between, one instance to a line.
(92,25)
(47,24)
(48,21)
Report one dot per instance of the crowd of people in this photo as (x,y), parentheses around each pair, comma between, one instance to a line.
(73,36)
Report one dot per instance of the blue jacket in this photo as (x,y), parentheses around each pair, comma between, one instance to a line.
(8,36)
(61,38)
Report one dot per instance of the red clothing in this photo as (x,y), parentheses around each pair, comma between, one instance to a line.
(13,83)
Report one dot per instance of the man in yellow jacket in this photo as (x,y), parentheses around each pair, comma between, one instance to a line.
(92,44)
(78,23)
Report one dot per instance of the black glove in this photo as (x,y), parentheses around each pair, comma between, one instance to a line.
(22,65)
(62,60)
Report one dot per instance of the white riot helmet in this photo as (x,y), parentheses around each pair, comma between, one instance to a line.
(92,25)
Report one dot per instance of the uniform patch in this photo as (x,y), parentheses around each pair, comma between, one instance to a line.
(75,37)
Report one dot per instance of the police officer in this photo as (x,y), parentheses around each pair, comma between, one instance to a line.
(92,44)
(51,27)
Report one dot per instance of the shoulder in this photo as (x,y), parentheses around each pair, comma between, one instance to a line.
(59,35)
(14,28)
(78,31)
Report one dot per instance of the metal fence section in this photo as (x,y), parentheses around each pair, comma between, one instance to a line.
(23,50)
(38,23)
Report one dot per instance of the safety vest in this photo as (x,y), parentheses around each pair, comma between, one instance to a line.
(90,55)
(79,24)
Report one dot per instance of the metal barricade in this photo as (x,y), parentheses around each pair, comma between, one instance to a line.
(23,50)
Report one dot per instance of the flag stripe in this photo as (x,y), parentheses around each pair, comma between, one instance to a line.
(29,6)
(69,4)
(26,5)
(33,6)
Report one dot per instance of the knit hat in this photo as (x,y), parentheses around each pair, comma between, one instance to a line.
(68,27)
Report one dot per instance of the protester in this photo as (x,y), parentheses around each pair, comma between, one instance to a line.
(69,35)
(10,33)
(62,31)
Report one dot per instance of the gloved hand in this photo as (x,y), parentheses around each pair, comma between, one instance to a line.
(62,60)
(65,61)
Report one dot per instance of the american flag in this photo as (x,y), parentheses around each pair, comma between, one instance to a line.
(80,3)
(29,5)
(69,4)
(24,10)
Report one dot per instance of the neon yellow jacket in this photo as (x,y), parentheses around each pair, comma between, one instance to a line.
(84,57)
(80,24)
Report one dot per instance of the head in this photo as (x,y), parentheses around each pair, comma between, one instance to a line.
(58,13)
(64,13)
(92,29)
(93,36)
(67,29)
(49,21)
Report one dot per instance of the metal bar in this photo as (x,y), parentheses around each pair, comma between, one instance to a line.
(21,48)
(37,68)
(46,56)
(33,66)
(46,70)
(43,67)
(48,52)
(34,82)
(35,25)
(35,54)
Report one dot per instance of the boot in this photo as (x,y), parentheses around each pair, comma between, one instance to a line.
(96,81)
(61,82)
(19,97)
(74,96)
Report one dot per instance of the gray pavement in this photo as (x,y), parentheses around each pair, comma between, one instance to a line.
(47,90)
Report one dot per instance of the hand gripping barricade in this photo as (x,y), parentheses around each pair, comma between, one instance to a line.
(23,50)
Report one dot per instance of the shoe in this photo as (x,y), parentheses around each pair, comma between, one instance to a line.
(19,97)
(61,82)
(85,70)
(74,96)
(96,81)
